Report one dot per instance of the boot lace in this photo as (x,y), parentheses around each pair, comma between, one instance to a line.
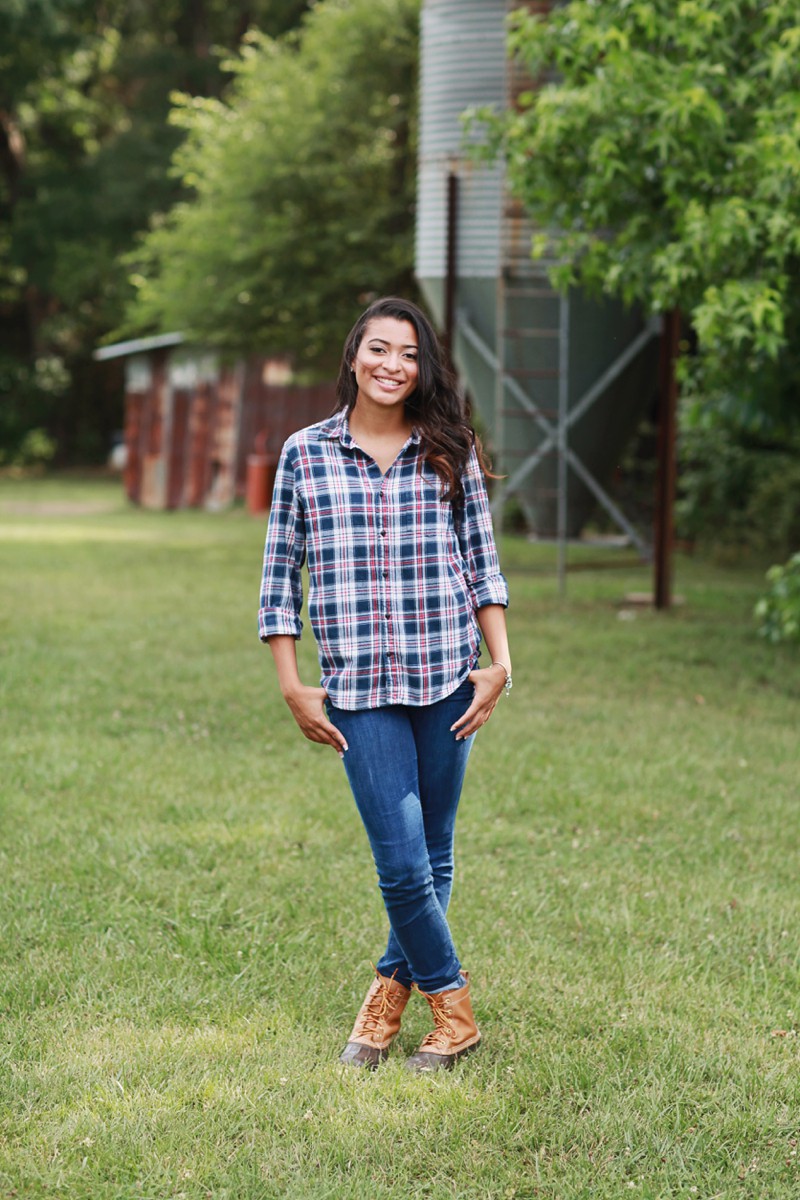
(376,1009)
(443,1033)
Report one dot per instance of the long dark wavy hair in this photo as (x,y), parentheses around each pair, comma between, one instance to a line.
(435,407)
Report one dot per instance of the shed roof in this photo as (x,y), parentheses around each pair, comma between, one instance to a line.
(138,346)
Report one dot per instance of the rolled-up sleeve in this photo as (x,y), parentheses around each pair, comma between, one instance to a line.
(284,555)
(486,583)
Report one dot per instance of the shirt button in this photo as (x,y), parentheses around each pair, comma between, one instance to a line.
(385,574)
(383,533)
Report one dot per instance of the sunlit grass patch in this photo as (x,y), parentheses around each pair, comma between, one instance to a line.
(189,912)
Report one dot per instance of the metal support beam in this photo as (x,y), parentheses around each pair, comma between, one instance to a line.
(553,435)
(563,427)
(452,265)
(651,330)
(608,504)
(474,339)
(667,461)
(524,400)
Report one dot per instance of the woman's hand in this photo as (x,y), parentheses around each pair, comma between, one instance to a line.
(489,683)
(308,709)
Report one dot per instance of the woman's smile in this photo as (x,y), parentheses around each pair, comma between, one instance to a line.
(385,364)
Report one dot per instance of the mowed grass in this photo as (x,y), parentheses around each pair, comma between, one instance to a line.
(189,909)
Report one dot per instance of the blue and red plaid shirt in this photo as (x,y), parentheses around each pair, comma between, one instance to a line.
(394,580)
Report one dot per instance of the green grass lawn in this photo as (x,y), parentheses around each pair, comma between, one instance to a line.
(189,910)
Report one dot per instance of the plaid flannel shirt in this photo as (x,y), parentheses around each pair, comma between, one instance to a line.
(394,581)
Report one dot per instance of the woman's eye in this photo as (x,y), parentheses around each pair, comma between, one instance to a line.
(384,350)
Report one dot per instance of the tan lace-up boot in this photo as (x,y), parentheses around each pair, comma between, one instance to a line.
(455,1031)
(377,1023)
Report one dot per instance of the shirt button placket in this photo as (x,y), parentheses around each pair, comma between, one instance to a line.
(383,568)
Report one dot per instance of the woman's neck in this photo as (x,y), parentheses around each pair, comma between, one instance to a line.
(378,423)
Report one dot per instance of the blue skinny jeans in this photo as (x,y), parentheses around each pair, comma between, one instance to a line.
(406,770)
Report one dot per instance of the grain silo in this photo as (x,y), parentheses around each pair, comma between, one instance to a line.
(559,383)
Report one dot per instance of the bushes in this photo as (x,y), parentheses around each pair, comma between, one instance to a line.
(737,496)
(36,449)
(29,398)
(778,612)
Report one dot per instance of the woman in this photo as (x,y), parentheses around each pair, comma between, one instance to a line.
(386,501)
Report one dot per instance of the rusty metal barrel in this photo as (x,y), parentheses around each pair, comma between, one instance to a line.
(260,476)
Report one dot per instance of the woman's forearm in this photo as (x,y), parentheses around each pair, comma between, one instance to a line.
(307,704)
(284,653)
(492,623)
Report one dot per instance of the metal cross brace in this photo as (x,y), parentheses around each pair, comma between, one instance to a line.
(576,412)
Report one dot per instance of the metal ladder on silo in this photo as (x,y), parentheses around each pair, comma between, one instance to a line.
(525,388)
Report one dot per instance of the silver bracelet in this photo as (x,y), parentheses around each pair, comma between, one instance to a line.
(507,686)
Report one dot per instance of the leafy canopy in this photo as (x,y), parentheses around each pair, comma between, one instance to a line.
(303,186)
(85,148)
(85,144)
(662,155)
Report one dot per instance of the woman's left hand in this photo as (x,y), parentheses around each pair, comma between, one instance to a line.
(489,683)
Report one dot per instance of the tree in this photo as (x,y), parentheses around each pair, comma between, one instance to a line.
(661,154)
(303,181)
(85,146)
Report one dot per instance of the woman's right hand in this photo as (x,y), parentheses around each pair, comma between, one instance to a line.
(307,705)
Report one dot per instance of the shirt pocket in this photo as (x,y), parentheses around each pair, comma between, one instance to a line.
(436,512)
(430,480)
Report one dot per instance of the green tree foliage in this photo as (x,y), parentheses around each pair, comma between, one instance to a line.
(85,146)
(739,494)
(303,182)
(662,156)
(778,611)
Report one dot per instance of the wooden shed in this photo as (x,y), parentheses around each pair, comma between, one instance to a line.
(192,421)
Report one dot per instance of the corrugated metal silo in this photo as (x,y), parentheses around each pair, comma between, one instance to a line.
(558,382)
(462,64)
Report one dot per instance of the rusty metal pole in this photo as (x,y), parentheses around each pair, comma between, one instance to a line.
(452,265)
(664,533)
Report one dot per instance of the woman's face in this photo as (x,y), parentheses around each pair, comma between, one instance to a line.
(385,364)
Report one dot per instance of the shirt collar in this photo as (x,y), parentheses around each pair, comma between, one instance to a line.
(337,428)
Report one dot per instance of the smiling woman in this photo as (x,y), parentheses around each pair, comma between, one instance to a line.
(385,370)
(387,504)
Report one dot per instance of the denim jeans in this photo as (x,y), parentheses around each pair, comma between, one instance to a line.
(406,769)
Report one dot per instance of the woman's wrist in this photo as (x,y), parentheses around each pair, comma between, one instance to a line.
(506,671)
(291,690)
